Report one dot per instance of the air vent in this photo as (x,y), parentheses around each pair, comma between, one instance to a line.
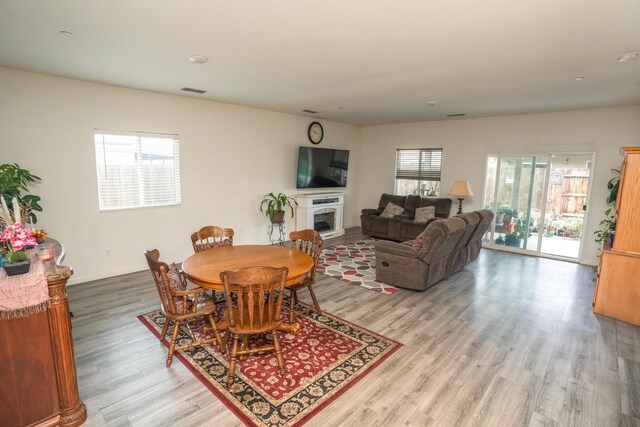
(456,115)
(190,89)
(310,111)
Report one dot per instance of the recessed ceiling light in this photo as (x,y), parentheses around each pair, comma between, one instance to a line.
(199,59)
(65,33)
(628,57)
(579,78)
(432,102)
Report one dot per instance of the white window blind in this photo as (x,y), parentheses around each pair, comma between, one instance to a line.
(137,169)
(419,164)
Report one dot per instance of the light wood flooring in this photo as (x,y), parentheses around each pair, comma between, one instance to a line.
(509,341)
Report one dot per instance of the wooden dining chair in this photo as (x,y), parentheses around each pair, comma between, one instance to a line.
(309,242)
(179,304)
(254,303)
(211,236)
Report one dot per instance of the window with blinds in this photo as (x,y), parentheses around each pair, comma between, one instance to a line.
(418,171)
(137,169)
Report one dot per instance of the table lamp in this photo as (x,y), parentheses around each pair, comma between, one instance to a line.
(460,190)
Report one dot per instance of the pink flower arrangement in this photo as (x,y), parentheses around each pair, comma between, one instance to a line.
(16,238)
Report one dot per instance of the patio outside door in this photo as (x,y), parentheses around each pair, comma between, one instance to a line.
(539,203)
(569,180)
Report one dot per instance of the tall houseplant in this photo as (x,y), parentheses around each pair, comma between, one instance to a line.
(13,182)
(607,230)
(273,206)
(608,225)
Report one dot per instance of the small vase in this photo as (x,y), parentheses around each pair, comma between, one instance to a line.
(16,268)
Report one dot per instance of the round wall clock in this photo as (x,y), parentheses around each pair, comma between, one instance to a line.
(315,132)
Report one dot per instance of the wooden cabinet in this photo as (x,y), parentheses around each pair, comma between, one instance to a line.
(617,292)
(38,381)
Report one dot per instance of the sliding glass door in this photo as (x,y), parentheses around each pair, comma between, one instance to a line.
(539,202)
(514,192)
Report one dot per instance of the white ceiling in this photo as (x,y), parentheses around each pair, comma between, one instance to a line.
(353,61)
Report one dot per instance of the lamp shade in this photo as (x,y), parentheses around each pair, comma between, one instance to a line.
(461,189)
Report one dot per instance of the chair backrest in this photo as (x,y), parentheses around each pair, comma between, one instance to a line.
(258,295)
(211,236)
(310,242)
(159,273)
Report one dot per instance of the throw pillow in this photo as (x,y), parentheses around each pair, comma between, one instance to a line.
(175,284)
(425,214)
(219,244)
(391,211)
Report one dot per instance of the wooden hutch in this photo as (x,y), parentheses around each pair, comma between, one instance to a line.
(39,385)
(617,291)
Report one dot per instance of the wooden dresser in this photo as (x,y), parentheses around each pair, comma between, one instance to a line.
(38,381)
(617,291)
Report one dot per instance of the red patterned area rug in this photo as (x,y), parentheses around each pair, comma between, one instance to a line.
(325,358)
(354,263)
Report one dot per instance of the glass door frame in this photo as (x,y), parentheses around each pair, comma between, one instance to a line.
(489,241)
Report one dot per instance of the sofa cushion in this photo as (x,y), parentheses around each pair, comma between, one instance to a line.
(410,205)
(424,214)
(442,205)
(386,198)
(391,210)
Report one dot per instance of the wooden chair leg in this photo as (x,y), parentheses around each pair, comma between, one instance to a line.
(174,337)
(232,360)
(165,328)
(292,302)
(216,333)
(315,300)
(276,345)
(193,337)
(245,347)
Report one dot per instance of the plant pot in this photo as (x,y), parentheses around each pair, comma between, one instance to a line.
(278,217)
(16,268)
(514,243)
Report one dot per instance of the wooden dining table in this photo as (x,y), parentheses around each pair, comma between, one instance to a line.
(204,268)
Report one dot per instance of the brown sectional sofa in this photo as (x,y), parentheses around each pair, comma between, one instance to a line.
(447,246)
(402,227)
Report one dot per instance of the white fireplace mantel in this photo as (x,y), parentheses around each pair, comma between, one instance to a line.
(322,212)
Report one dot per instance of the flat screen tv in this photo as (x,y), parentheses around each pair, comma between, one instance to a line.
(322,167)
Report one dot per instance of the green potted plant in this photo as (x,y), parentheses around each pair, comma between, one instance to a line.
(13,182)
(613,185)
(514,239)
(273,206)
(607,231)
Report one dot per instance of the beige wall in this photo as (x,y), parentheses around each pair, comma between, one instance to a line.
(467,142)
(230,156)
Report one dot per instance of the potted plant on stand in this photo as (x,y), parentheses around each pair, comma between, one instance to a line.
(273,206)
